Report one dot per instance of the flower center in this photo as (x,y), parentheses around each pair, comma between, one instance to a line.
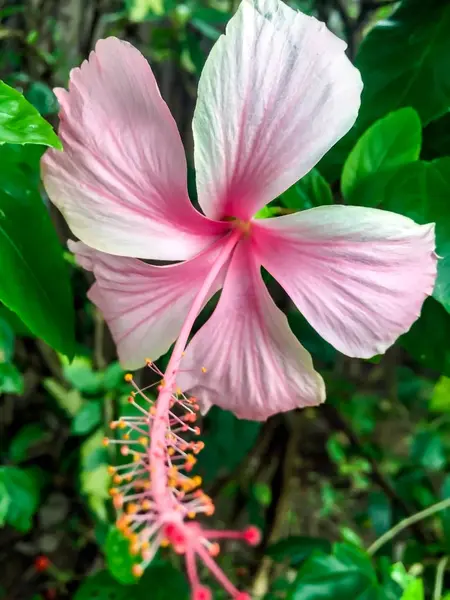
(240,225)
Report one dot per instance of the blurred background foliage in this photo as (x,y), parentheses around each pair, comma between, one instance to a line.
(328,485)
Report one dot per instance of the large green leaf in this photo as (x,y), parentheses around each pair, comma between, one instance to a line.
(34,280)
(347,573)
(390,142)
(159,582)
(312,190)
(436,138)
(297,548)
(20,122)
(166,583)
(414,591)
(102,586)
(427,340)
(404,61)
(23,493)
(118,558)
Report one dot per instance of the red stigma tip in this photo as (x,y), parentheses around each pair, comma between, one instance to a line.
(201,592)
(252,536)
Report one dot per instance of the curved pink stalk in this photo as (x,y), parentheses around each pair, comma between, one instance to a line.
(156,496)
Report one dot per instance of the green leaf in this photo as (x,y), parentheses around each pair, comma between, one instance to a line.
(69,400)
(17,326)
(113,376)
(159,582)
(118,558)
(166,583)
(405,62)
(428,451)
(22,442)
(390,142)
(88,417)
(11,380)
(297,548)
(94,477)
(414,591)
(34,279)
(440,400)
(427,340)
(42,98)
(6,341)
(262,493)
(228,440)
(80,375)
(436,138)
(347,573)
(5,502)
(380,512)
(20,122)
(23,493)
(312,190)
(102,586)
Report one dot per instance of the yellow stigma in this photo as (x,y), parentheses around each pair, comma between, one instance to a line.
(128,377)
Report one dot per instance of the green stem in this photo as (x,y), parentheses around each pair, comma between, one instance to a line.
(423,514)
(437,594)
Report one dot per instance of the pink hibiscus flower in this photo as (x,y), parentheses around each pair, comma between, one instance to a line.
(276,93)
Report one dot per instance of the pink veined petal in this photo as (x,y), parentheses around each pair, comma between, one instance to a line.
(359,275)
(276,93)
(255,366)
(121,181)
(144,305)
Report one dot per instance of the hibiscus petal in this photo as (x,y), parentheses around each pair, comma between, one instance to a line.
(277,91)
(254,364)
(121,180)
(359,275)
(144,305)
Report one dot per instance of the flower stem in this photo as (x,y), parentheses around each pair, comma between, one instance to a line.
(437,593)
(158,429)
(423,514)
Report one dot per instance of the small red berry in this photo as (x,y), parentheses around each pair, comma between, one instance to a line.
(41,563)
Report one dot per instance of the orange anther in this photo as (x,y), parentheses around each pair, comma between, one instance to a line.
(128,377)
(118,501)
(137,570)
(132,508)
